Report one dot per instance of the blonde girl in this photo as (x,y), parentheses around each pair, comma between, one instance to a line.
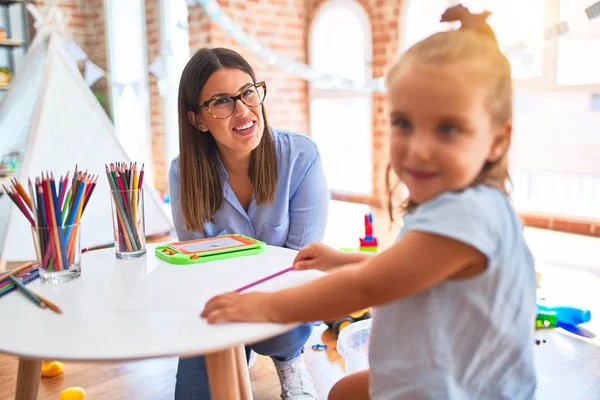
(454,297)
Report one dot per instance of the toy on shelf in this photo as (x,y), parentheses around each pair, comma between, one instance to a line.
(5,76)
(3,34)
(561,315)
(369,242)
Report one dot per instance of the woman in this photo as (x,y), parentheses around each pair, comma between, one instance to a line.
(235,174)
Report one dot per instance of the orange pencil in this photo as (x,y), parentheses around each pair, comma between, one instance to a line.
(16,271)
(23,193)
(48,303)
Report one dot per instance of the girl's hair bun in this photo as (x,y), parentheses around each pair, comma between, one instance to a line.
(468,20)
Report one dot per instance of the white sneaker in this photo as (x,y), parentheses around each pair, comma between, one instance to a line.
(296,382)
(252,359)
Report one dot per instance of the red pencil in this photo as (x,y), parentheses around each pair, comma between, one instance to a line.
(20,204)
(141,177)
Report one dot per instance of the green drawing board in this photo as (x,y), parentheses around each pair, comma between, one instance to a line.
(209,249)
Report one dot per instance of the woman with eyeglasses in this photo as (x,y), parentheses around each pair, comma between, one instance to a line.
(236,174)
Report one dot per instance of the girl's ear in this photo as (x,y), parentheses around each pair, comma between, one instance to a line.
(501,142)
(196,121)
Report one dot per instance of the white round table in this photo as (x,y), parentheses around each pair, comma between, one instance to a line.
(122,310)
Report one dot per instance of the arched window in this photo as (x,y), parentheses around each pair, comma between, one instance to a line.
(341,120)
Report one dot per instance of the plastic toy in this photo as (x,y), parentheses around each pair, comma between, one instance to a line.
(209,249)
(369,242)
(5,75)
(319,347)
(50,369)
(545,319)
(566,315)
(339,324)
(72,393)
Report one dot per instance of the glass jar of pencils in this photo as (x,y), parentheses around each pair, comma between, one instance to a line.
(129,225)
(58,252)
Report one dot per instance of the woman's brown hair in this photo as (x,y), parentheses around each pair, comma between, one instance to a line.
(200,180)
(475,46)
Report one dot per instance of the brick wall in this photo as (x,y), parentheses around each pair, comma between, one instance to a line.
(283,26)
(279,25)
(157,123)
(85,21)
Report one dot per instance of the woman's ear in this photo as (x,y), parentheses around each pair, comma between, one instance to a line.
(501,143)
(196,121)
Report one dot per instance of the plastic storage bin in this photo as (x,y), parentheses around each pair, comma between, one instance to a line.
(353,345)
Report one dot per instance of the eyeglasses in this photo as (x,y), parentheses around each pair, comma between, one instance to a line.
(223,106)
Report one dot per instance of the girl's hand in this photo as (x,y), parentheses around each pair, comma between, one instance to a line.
(319,256)
(235,307)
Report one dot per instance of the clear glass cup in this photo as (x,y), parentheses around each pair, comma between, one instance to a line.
(58,252)
(129,227)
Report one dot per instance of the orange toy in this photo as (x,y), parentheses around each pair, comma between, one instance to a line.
(50,369)
(72,393)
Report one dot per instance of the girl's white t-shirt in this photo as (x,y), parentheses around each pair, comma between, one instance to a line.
(462,339)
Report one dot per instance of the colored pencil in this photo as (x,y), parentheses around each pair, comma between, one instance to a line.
(123,179)
(27,292)
(266,278)
(53,210)
(25,279)
(17,270)
(48,303)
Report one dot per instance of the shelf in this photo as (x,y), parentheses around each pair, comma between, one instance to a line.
(11,43)
(4,86)
(9,2)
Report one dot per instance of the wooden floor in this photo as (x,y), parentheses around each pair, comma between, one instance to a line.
(155,379)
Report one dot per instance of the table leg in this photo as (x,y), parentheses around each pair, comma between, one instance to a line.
(243,374)
(223,375)
(28,379)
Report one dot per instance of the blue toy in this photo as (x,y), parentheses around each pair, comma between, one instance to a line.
(567,315)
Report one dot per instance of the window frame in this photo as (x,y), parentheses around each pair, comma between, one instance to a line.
(315,92)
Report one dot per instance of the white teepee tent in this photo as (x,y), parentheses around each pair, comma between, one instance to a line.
(51,117)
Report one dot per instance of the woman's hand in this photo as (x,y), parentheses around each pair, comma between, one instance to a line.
(235,307)
(319,256)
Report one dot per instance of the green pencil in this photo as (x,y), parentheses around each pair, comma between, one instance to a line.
(32,296)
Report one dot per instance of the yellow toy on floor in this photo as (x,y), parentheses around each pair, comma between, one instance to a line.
(50,369)
(72,393)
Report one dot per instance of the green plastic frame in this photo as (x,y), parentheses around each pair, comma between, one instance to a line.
(178,257)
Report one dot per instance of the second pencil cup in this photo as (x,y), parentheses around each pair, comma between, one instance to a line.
(128,223)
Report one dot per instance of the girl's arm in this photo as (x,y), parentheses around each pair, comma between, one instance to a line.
(414,264)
